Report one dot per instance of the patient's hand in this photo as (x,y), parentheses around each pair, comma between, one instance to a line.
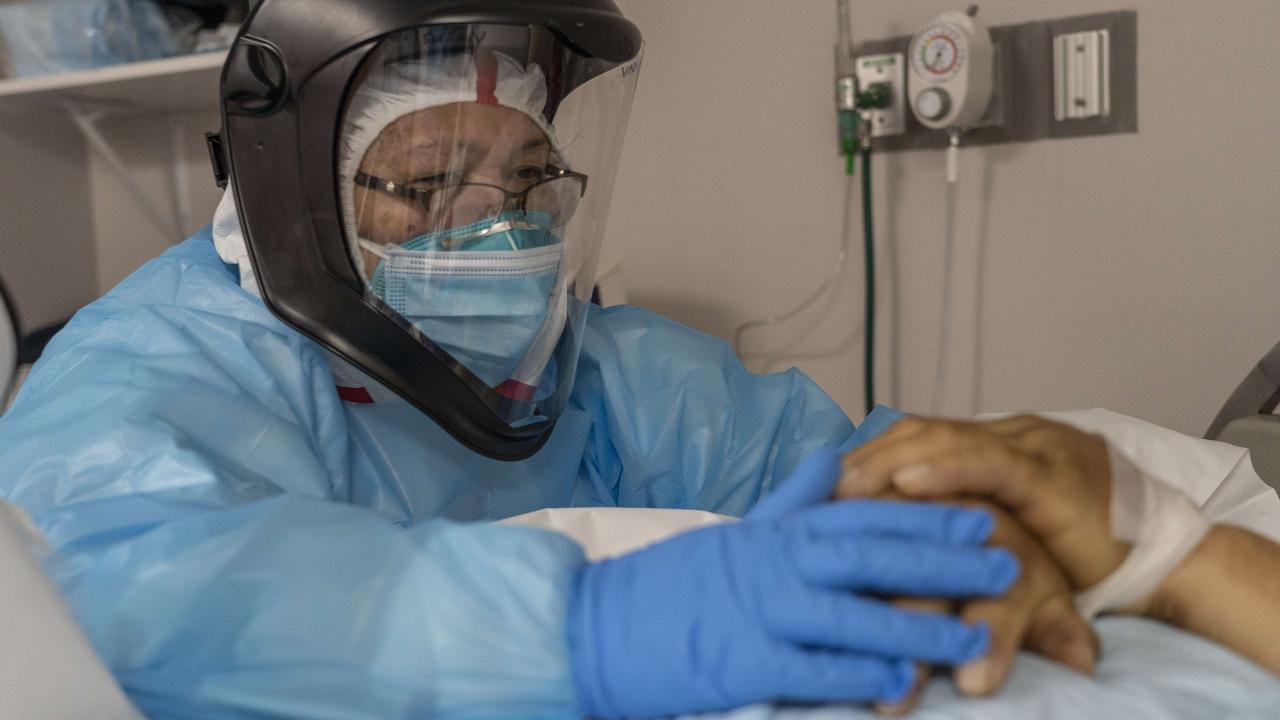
(1036,615)
(1055,479)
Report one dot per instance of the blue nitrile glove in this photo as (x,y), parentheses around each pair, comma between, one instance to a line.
(768,609)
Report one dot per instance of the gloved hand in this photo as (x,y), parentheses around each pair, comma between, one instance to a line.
(767,609)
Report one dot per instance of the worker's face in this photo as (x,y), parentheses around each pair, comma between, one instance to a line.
(449,144)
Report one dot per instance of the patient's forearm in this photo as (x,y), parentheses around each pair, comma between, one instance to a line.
(1228,590)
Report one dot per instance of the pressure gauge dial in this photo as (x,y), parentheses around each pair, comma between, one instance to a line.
(939,53)
(950,72)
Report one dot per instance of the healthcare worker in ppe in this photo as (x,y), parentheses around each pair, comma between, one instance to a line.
(262,469)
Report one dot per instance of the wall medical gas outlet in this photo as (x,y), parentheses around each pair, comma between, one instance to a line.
(886,69)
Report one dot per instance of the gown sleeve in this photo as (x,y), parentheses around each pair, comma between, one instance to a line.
(186,457)
(681,423)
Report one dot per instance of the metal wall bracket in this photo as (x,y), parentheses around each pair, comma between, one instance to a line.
(1023,98)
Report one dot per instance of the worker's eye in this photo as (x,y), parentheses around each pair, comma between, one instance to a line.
(530,173)
(436,180)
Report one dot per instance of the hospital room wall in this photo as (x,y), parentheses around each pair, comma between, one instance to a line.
(46,245)
(71,229)
(1134,272)
(167,158)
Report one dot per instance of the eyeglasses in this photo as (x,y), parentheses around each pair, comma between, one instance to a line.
(556,196)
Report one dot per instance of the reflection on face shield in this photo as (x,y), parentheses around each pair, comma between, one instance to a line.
(447,167)
(548,203)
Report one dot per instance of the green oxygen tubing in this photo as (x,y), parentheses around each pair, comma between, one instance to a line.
(855,143)
(869,251)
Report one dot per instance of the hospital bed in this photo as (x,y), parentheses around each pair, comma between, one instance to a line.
(9,347)
(1147,670)
(1248,418)
(49,670)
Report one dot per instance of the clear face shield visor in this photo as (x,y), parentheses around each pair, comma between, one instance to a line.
(475,168)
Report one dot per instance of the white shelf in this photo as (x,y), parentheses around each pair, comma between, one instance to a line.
(171,85)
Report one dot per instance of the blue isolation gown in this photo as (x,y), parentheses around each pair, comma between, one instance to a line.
(240,541)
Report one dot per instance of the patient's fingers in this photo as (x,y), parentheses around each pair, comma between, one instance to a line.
(1013,479)
(900,430)
(870,469)
(1050,628)
(1058,633)
(914,428)
(1008,618)
(854,483)
(1071,524)
(1036,613)
(867,469)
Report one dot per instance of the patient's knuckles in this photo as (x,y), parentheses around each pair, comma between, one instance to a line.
(1082,470)
(862,483)
(1058,633)
(934,432)
(1063,444)
(1034,468)
(852,459)
(1043,434)
(953,434)
(1013,425)
(894,434)
(993,457)
(907,426)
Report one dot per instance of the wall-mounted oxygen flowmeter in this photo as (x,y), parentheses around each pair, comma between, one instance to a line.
(950,67)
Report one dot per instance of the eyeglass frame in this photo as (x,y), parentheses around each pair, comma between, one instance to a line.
(423,196)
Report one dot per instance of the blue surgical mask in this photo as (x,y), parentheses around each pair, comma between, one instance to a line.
(497,310)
